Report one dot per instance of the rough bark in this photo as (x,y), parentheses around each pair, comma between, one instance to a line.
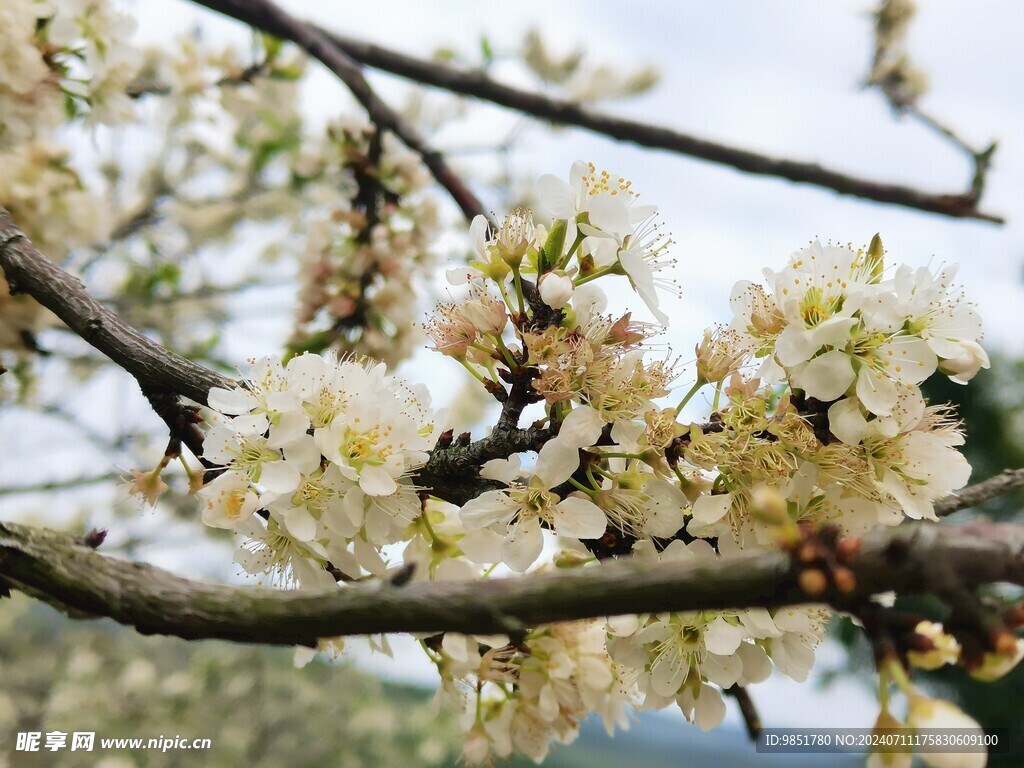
(912,558)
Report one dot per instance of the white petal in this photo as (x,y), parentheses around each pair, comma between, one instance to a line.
(376,481)
(488,509)
(279,477)
(588,300)
(290,426)
(707,709)
(523,545)
(556,462)
(579,518)
(876,391)
(219,446)
(556,290)
(231,401)
(300,523)
(502,470)
(556,197)
(710,509)
(723,638)
(251,424)
(609,214)
(756,666)
(306,373)
(304,454)
(826,377)
(481,546)
(724,671)
(582,427)
(908,359)
(846,422)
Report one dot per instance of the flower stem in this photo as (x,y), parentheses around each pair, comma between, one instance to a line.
(693,391)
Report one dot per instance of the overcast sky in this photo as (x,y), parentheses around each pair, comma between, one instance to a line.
(781,78)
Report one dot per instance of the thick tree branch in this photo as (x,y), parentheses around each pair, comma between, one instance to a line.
(913,558)
(1006,481)
(478,85)
(266,16)
(153,366)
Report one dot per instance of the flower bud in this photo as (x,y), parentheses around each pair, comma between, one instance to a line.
(940,648)
(769,506)
(995,665)
(556,289)
(486,314)
(515,237)
(884,756)
(554,246)
(924,712)
(718,354)
(964,368)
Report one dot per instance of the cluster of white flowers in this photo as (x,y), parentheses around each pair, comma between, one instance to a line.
(48,200)
(818,418)
(30,96)
(365,255)
(524,697)
(59,53)
(839,332)
(324,449)
(58,58)
(684,656)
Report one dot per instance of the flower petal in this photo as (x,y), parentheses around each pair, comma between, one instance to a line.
(826,377)
(579,518)
(710,509)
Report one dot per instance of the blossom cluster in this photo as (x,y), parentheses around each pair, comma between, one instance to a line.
(363,256)
(324,450)
(57,58)
(57,55)
(818,418)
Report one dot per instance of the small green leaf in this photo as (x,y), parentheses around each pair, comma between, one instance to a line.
(553,246)
(271,45)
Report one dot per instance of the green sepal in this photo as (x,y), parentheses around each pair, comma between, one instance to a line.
(554,246)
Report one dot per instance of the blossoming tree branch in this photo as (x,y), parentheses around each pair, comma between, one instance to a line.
(593,551)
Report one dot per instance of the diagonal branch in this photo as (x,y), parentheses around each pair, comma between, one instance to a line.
(902,84)
(268,17)
(1006,481)
(153,366)
(60,570)
(560,112)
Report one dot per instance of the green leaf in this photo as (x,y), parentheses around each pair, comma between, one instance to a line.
(271,45)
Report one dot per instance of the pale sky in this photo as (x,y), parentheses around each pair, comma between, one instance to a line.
(783,78)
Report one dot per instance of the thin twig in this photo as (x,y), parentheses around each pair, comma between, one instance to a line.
(1008,480)
(59,485)
(561,112)
(902,84)
(268,17)
(153,366)
(751,717)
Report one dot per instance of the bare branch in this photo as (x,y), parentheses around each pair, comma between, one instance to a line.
(1008,480)
(748,710)
(913,558)
(59,485)
(153,366)
(266,16)
(902,84)
(560,112)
